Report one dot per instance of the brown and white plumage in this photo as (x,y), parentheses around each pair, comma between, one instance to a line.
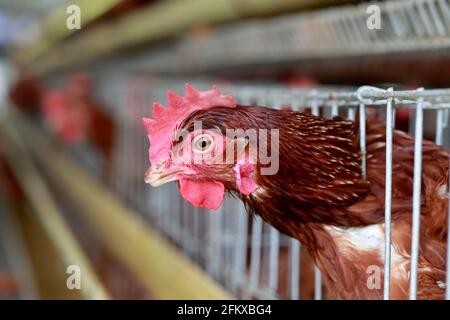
(319,197)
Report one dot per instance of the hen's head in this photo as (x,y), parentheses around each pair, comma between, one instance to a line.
(79,85)
(267,157)
(188,144)
(65,119)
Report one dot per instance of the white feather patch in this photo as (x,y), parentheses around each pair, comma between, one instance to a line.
(369,239)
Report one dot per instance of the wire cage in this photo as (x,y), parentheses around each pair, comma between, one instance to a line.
(248,257)
(404,26)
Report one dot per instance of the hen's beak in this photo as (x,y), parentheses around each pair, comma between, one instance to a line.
(157,178)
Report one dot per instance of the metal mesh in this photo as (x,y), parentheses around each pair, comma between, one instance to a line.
(249,257)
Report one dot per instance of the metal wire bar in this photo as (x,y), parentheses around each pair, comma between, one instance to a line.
(439,126)
(241,245)
(317,284)
(295,269)
(393,116)
(168,203)
(215,243)
(255,259)
(315,106)
(446,117)
(435,99)
(294,244)
(416,200)
(273,258)
(351,113)
(230,243)
(195,232)
(362,138)
(387,201)
(376,93)
(175,211)
(334,108)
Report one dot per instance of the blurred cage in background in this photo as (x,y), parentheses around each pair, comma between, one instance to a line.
(247,257)
(328,33)
(250,258)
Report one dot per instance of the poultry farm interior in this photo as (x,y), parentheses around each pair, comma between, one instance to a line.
(358,208)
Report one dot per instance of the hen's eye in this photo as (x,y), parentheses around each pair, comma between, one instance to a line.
(203,143)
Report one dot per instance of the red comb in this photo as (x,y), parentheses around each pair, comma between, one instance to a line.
(165,119)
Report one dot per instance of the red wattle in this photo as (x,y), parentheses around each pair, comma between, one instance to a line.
(200,193)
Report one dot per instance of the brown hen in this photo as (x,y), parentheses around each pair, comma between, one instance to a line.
(318,194)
